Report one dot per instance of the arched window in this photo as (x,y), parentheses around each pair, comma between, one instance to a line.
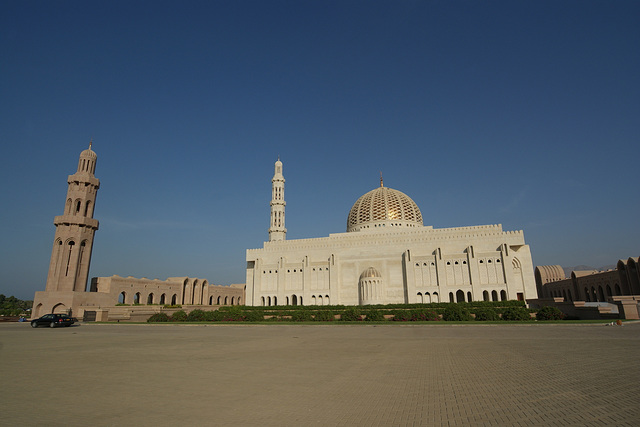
(494,295)
(150,299)
(122,298)
(163,299)
(485,296)
(587,296)
(469,297)
(460,296)
(70,245)
(503,295)
(617,289)
(173,299)
(136,298)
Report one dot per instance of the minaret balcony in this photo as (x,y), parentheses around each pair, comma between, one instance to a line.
(76,220)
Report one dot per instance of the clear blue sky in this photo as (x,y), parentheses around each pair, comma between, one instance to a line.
(520,113)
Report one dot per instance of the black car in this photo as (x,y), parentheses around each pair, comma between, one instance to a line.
(52,320)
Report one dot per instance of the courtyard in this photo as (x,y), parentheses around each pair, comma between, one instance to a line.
(343,375)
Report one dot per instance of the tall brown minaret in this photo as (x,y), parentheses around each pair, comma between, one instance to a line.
(73,241)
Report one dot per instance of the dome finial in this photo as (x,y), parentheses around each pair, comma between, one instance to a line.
(381,182)
(90,143)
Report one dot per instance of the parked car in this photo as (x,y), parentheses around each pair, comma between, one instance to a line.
(52,320)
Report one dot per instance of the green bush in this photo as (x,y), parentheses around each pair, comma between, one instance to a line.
(232,314)
(213,316)
(324,316)
(456,313)
(179,316)
(486,314)
(351,314)
(158,317)
(401,316)
(549,313)
(253,315)
(516,313)
(373,315)
(301,316)
(423,314)
(196,316)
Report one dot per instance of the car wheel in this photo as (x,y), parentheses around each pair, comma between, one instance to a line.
(52,324)
(34,324)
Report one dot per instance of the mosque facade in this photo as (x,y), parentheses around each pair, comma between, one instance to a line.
(387,255)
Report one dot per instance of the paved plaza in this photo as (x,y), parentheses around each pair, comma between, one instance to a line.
(342,375)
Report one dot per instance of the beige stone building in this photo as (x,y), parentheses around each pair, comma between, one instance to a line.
(110,297)
(386,256)
(591,293)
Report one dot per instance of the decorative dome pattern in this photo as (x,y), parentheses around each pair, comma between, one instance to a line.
(383,207)
(369,273)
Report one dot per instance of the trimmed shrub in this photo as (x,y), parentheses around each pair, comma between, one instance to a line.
(324,316)
(158,317)
(549,313)
(232,314)
(179,316)
(515,313)
(401,316)
(301,316)
(351,314)
(486,314)
(253,315)
(373,315)
(196,316)
(456,313)
(213,316)
(424,314)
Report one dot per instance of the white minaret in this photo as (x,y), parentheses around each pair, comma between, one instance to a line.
(277,232)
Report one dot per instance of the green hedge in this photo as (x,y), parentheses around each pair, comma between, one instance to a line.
(516,313)
(483,310)
(549,313)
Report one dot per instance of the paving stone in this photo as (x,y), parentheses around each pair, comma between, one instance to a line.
(291,375)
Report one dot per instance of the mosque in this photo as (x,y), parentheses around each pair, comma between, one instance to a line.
(387,255)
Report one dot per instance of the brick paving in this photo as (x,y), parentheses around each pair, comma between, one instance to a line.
(343,375)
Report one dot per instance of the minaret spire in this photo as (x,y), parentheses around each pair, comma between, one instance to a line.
(277,231)
(381,182)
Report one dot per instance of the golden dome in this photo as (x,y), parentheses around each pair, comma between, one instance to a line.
(383,207)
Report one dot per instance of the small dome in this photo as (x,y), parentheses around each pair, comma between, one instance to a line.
(370,272)
(88,154)
(383,207)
